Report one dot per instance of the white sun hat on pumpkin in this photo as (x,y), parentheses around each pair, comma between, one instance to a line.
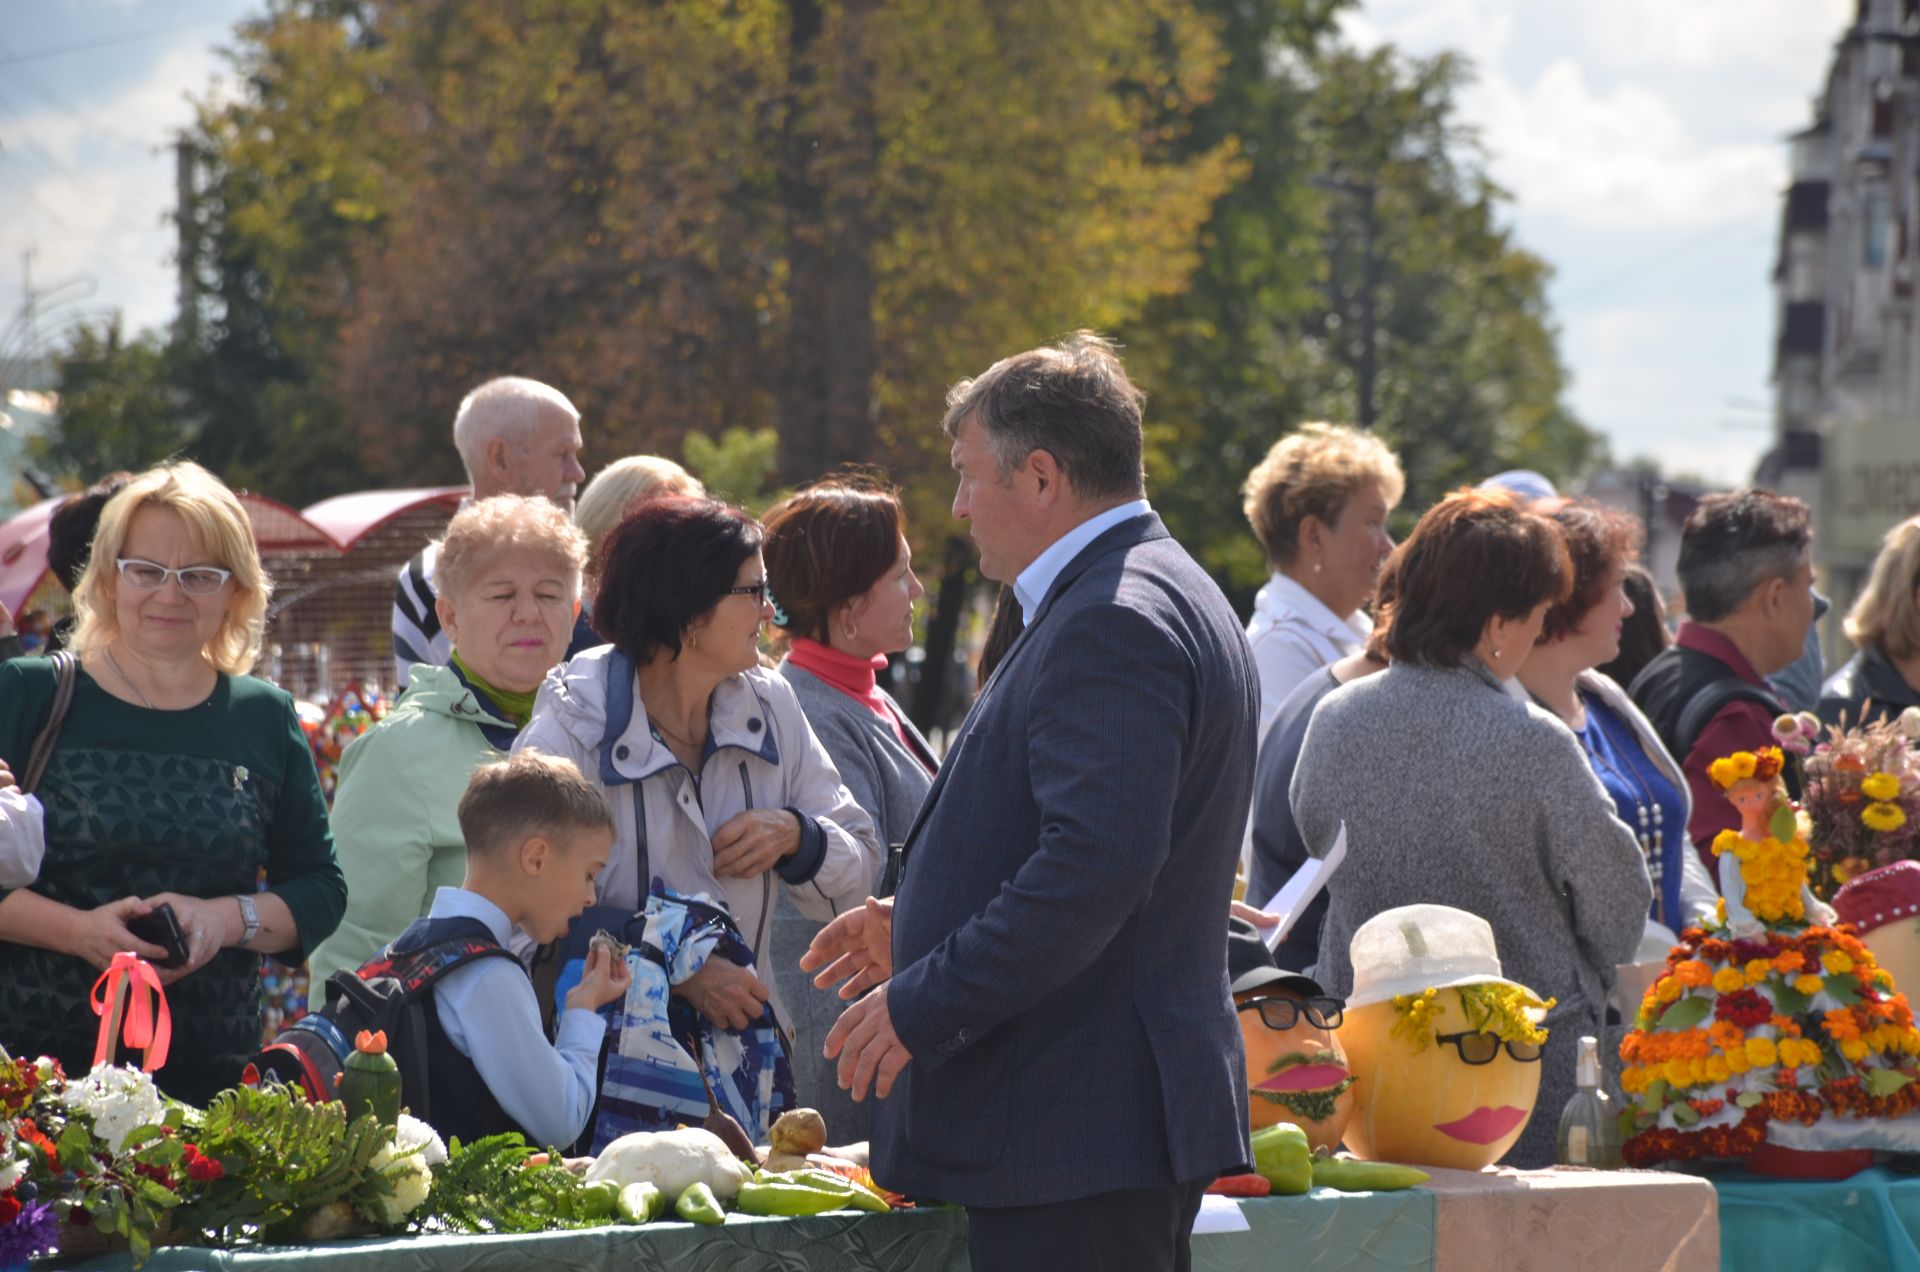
(1421,947)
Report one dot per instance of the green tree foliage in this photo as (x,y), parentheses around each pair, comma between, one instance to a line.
(710,219)
(121,404)
(1270,332)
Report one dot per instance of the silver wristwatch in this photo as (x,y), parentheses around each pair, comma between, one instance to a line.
(250,918)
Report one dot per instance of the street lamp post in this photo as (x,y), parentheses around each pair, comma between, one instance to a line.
(1364,192)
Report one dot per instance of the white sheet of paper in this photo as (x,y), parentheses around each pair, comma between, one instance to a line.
(1307,881)
(1219,1214)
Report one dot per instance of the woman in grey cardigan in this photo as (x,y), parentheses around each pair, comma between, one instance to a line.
(843,586)
(1456,793)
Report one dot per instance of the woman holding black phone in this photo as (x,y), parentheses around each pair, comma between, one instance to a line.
(175,781)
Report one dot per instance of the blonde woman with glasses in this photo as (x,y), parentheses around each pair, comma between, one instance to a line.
(176,781)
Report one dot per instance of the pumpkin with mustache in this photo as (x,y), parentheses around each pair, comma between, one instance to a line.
(1296,1069)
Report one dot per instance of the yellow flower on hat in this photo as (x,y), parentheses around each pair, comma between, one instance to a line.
(1854,1049)
(1728,979)
(1737,1062)
(1836,962)
(1761,1052)
(1717,1070)
(1809,984)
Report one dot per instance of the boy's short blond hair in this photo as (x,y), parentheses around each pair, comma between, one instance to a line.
(529,794)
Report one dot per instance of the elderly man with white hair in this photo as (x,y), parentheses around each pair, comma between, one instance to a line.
(516,437)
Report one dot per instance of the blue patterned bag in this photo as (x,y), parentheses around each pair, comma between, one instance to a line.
(652,1081)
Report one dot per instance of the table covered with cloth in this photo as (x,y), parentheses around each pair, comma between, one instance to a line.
(1868,1223)
(1562,1221)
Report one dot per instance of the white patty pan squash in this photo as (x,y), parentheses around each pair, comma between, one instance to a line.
(671,1161)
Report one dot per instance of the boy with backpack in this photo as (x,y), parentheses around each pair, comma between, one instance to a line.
(537,837)
(473,1057)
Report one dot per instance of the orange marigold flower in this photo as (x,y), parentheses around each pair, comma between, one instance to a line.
(1789,961)
(1692,972)
(1841,1024)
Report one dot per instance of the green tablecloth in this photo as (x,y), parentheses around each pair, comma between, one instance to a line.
(1361,1232)
(1869,1223)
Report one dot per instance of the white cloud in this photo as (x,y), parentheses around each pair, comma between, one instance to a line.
(1617,158)
(1761,36)
(1480,29)
(94,181)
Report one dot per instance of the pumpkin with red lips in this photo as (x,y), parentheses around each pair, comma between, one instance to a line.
(1426,1105)
(1421,974)
(1298,1073)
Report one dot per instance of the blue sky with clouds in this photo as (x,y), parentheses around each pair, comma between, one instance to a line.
(1640,139)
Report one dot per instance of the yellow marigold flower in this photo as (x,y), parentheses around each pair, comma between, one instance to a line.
(1883,817)
(1668,989)
(1758,969)
(1744,762)
(1724,772)
(1854,1049)
(1737,1060)
(1761,1052)
(1881,786)
(1675,1072)
(1727,841)
(1809,984)
(1728,979)
(1717,1070)
(1720,911)
(1836,962)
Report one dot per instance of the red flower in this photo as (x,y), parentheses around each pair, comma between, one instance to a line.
(39,1139)
(1744,1008)
(201,1168)
(9,1208)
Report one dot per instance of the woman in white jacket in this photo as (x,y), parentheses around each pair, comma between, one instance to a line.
(718,785)
(1649,792)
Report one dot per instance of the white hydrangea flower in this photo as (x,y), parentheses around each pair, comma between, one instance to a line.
(117,1101)
(406,1163)
(413,1135)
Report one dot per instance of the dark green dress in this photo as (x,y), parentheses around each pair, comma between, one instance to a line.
(140,801)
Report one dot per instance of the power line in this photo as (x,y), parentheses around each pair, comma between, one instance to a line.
(1627,273)
(132,37)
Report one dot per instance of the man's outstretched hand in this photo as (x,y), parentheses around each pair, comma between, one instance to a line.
(857,948)
(871,1054)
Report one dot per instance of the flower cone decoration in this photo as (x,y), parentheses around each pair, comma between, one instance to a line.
(1774,1025)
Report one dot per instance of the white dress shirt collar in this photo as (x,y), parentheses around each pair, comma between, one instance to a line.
(1036,580)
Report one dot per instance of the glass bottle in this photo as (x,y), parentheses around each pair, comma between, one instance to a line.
(1590,1124)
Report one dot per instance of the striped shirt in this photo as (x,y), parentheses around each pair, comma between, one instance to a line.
(417,637)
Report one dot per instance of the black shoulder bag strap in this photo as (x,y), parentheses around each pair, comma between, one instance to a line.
(66,670)
(1708,702)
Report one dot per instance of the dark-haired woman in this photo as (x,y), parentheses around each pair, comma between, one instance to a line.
(1454,792)
(843,588)
(717,782)
(1648,790)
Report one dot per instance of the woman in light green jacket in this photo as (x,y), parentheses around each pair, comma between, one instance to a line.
(509,580)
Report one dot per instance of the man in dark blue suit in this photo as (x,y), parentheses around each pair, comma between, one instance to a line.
(1057,1047)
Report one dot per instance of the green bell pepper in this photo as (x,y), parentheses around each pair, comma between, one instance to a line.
(698,1205)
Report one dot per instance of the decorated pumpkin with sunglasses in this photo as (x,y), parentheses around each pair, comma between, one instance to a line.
(1444,1049)
(1296,1070)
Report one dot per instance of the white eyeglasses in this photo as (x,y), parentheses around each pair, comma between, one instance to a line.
(195,580)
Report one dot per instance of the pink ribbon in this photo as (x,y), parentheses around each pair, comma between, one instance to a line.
(124,985)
